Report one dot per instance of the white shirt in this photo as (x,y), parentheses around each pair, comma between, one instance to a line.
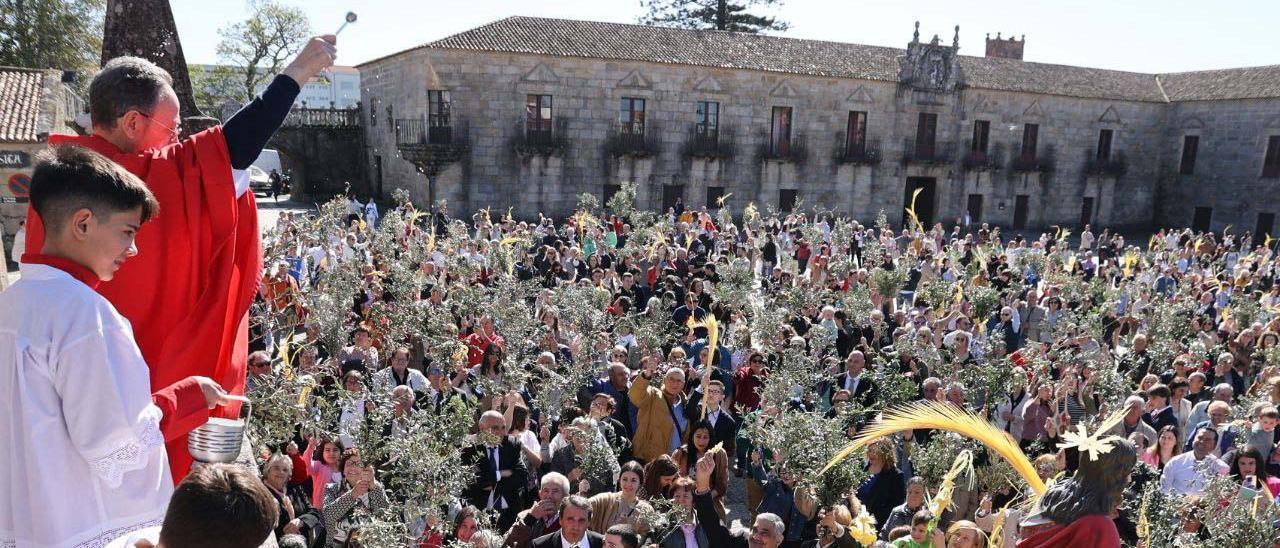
(1183,475)
(582,543)
(84,458)
(414,379)
(349,421)
(240,179)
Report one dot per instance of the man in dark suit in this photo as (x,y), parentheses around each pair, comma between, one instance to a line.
(1160,413)
(441,394)
(859,385)
(766,532)
(500,473)
(724,428)
(575,517)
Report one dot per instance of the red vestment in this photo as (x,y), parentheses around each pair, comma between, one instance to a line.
(1095,531)
(187,292)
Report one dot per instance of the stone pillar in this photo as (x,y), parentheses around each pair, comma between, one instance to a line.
(642,174)
(846,197)
(863,207)
(701,172)
(145,28)
(769,173)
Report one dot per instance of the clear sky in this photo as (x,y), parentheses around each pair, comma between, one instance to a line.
(1136,35)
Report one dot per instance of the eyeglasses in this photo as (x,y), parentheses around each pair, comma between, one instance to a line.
(173,130)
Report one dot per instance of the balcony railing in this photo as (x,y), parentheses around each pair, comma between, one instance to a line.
(1033,163)
(865,153)
(1113,165)
(540,137)
(323,117)
(708,142)
(980,160)
(415,131)
(784,150)
(632,139)
(941,153)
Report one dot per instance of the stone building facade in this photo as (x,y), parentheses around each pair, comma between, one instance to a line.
(34,103)
(528,113)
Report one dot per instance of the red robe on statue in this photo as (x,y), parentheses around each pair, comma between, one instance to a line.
(1096,531)
(187,292)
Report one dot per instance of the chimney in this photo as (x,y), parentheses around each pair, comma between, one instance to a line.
(1010,48)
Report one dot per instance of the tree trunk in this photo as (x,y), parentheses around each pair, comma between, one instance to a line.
(145,28)
(722,15)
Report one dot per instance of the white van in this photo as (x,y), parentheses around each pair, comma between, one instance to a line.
(269,160)
(260,171)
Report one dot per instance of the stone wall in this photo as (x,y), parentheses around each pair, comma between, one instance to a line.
(1227,174)
(324,161)
(488,92)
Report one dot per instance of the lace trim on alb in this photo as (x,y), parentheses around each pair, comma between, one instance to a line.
(101,539)
(131,456)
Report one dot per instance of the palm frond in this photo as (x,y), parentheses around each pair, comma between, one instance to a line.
(941,416)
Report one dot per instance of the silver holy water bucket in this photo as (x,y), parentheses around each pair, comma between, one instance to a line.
(219,440)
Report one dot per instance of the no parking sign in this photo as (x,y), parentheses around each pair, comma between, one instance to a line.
(20,185)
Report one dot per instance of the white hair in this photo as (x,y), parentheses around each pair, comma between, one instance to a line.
(558,479)
(778,525)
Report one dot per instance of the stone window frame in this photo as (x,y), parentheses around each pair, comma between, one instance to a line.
(1110,138)
(1182,151)
(700,117)
(1271,152)
(791,124)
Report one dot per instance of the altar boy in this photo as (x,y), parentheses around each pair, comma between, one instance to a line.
(84,456)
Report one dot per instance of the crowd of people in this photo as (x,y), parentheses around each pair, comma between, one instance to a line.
(681,378)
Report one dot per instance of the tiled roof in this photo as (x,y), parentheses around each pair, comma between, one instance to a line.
(1015,75)
(736,50)
(1210,85)
(20,97)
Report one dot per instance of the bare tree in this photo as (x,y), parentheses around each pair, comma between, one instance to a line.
(711,15)
(262,44)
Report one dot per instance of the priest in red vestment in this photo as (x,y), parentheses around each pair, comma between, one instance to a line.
(199,263)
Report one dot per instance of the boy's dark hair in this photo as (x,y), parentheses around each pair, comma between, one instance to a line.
(125,84)
(219,506)
(67,179)
(899,532)
(921,517)
(628,535)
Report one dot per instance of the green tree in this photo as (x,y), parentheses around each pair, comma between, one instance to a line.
(61,34)
(262,44)
(216,85)
(712,15)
